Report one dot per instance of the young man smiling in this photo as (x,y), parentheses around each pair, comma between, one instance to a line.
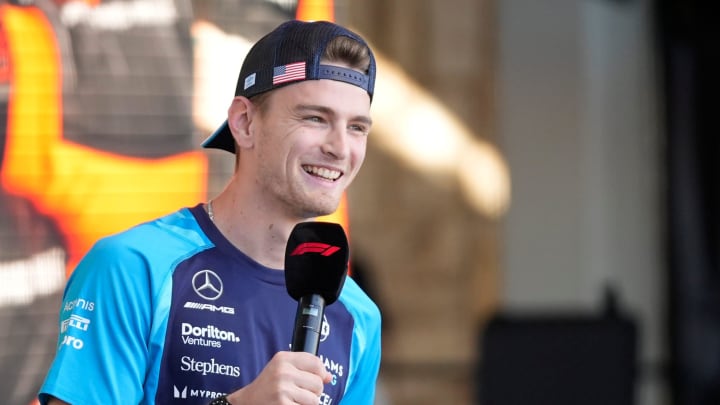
(192,307)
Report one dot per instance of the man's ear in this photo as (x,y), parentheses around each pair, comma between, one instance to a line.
(240,115)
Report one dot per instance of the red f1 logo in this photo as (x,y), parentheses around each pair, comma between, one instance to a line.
(314,247)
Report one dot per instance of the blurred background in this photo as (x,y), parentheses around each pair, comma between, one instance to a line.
(537,217)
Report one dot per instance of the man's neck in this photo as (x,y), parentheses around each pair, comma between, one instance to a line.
(260,234)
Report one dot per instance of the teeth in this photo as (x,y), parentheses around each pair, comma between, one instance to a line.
(322,172)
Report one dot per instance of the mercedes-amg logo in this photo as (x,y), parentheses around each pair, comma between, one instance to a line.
(207,284)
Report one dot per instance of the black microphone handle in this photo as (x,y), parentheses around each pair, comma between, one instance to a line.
(308,324)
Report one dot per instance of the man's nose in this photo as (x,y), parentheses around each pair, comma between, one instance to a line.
(336,143)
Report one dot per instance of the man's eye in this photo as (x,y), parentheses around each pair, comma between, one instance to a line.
(313,118)
(359,128)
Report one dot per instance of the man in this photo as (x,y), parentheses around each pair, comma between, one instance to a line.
(193,306)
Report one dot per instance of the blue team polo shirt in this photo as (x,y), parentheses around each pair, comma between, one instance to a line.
(169,312)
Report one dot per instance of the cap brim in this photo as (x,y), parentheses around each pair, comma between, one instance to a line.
(221,139)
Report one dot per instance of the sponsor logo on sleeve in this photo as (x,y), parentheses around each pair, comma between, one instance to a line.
(79,303)
(74,321)
(73,342)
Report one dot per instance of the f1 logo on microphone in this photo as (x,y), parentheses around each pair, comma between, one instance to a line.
(314,247)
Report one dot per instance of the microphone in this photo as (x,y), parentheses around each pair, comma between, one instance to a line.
(316,264)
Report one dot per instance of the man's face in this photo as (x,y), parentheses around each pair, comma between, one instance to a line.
(311,139)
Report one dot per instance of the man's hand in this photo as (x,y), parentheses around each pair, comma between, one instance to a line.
(289,378)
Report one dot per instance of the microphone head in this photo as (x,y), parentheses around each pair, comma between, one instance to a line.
(316,260)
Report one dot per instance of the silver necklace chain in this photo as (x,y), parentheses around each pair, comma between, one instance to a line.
(210,211)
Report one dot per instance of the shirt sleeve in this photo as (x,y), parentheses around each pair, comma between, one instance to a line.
(365,351)
(105,321)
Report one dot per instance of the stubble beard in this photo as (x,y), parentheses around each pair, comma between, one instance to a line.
(309,206)
(299,201)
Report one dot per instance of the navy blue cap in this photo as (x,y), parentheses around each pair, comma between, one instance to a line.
(289,54)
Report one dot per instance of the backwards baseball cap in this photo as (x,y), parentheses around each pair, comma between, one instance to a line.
(291,53)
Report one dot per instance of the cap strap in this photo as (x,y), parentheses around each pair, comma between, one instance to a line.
(344,75)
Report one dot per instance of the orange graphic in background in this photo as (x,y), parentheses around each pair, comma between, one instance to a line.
(315,10)
(89,193)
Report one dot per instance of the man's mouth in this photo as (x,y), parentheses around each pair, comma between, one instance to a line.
(322,172)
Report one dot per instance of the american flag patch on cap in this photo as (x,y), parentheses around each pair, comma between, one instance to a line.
(289,73)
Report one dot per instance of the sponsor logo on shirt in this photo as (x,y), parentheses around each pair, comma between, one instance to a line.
(195,393)
(210,335)
(73,342)
(189,364)
(210,307)
(337,370)
(324,329)
(325,399)
(332,366)
(79,303)
(74,321)
(207,284)
(179,394)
